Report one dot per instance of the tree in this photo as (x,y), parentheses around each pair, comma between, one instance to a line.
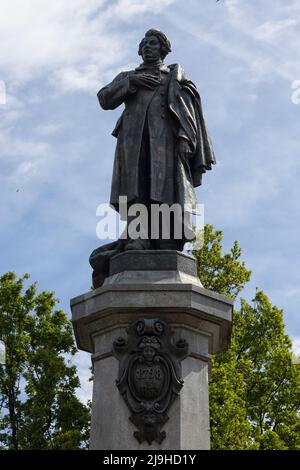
(39,408)
(254,385)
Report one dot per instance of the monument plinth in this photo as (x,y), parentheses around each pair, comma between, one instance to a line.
(151,329)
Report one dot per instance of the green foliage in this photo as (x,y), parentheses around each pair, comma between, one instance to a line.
(254,385)
(225,274)
(39,408)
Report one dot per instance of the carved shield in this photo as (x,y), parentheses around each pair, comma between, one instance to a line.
(149,375)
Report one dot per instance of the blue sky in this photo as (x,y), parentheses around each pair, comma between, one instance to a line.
(57,152)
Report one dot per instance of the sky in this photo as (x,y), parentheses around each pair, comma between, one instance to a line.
(56,148)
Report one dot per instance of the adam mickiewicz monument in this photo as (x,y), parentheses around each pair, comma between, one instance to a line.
(162,144)
(150,325)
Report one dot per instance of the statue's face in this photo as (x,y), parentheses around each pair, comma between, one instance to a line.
(151,49)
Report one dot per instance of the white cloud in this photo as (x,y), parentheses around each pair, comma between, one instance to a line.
(245,31)
(21,148)
(11,111)
(291,291)
(272,30)
(82,360)
(266,23)
(296,345)
(34,38)
(49,129)
(125,9)
(72,42)
(27,169)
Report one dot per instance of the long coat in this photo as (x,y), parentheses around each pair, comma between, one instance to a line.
(170,111)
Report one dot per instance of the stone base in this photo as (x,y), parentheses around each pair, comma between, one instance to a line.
(153,267)
(145,285)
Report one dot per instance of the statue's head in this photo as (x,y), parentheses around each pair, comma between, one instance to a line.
(154,46)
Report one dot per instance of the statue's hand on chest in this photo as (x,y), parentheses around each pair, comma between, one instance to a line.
(144,80)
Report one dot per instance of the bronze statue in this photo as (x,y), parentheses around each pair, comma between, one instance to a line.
(163,147)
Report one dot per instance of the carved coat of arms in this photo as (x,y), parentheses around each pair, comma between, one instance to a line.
(149,375)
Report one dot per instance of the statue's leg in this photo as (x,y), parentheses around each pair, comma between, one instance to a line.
(138,229)
(141,222)
(181,231)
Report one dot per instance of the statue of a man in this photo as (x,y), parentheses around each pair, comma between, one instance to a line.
(162,143)
(163,147)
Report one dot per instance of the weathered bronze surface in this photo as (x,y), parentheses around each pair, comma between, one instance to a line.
(149,375)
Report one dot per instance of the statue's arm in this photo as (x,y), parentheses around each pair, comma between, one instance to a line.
(116,92)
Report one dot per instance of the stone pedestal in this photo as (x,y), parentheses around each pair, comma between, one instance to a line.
(152,285)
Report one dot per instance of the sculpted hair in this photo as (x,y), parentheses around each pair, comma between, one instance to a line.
(164,42)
